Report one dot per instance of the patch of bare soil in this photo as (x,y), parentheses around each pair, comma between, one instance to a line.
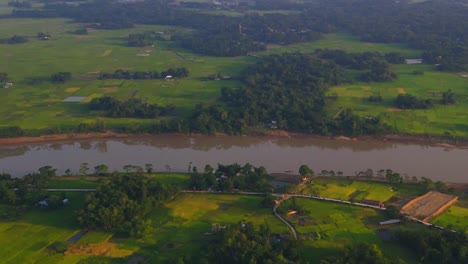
(429,205)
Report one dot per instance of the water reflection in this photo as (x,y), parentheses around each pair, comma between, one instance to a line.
(276,154)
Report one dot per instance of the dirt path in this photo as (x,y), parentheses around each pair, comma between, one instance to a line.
(293,230)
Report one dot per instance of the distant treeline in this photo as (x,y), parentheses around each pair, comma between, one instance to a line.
(145,75)
(143,39)
(445,43)
(16,39)
(133,107)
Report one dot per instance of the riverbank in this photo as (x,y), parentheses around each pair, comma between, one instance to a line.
(405,139)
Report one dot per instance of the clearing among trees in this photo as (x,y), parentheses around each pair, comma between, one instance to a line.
(429,205)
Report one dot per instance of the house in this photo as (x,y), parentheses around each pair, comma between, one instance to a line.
(42,203)
(65,201)
(8,85)
(390,222)
(413,61)
(168,77)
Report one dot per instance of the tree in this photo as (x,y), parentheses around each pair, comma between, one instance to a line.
(149,168)
(268,200)
(60,77)
(68,172)
(208,168)
(304,170)
(47,171)
(84,168)
(101,169)
(3,77)
(448,97)
(392,211)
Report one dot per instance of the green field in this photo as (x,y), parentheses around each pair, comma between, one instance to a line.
(346,189)
(182,222)
(456,217)
(35,103)
(26,239)
(327,227)
(441,119)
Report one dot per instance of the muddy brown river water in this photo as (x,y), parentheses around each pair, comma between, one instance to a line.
(276,154)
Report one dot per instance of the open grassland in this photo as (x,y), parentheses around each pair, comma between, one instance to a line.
(35,103)
(456,217)
(328,227)
(439,120)
(346,189)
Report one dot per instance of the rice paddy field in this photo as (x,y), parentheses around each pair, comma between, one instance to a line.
(346,189)
(35,103)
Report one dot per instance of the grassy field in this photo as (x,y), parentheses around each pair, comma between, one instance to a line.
(456,217)
(39,105)
(25,240)
(178,229)
(441,119)
(35,103)
(346,189)
(338,225)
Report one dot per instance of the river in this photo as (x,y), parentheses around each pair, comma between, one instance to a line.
(174,153)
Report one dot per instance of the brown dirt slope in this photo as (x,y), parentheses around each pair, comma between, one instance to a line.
(429,205)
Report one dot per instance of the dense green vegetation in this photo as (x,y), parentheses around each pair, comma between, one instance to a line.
(147,219)
(123,202)
(131,108)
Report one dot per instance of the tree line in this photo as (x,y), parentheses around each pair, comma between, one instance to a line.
(231,177)
(133,107)
(444,43)
(145,75)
